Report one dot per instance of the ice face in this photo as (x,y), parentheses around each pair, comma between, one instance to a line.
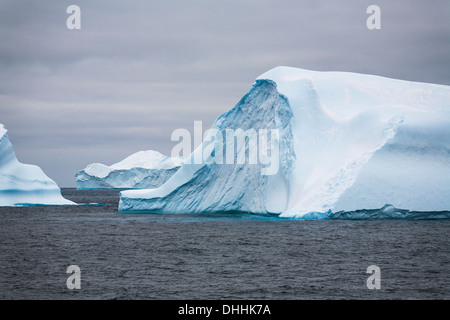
(348,141)
(143,169)
(211,187)
(24,184)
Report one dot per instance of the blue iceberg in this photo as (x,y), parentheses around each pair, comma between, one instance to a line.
(345,142)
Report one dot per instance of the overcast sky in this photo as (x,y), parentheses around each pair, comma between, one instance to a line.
(137,70)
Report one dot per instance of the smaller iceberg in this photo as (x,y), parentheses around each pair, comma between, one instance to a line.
(141,170)
(24,184)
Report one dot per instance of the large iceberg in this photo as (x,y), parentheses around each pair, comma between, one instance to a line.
(24,184)
(345,142)
(143,169)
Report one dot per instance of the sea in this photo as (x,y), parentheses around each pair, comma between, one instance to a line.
(92,252)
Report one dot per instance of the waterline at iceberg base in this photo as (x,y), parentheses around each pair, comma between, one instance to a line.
(347,142)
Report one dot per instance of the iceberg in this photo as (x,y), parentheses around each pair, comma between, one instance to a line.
(24,184)
(346,142)
(143,169)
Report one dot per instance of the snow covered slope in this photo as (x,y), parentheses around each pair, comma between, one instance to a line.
(23,183)
(346,142)
(143,169)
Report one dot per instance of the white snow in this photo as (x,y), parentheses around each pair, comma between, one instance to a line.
(349,141)
(3,131)
(143,168)
(98,170)
(24,184)
(148,159)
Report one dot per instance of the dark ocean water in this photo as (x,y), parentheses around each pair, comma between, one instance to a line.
(218,256)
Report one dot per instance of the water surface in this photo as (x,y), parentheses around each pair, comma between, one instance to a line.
(219,256)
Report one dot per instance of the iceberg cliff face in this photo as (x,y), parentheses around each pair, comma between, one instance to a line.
(346,142)
(24,184)
(143,169)
(211,187)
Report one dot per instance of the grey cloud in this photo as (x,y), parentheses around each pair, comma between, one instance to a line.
(137,70)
